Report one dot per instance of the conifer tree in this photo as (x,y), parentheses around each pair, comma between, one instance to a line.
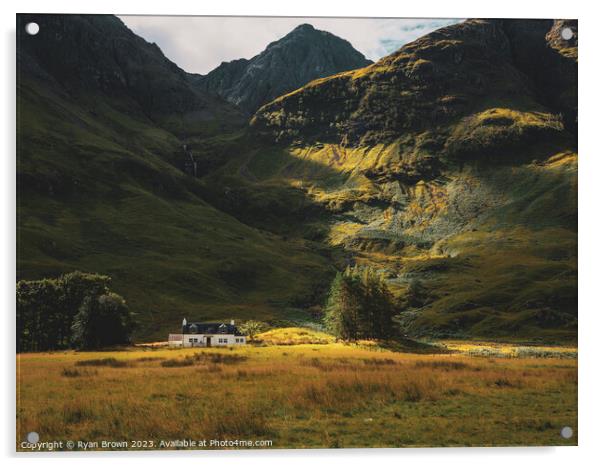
(360,305)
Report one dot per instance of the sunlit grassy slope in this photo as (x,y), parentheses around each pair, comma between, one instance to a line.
(97,193)
(449,165)
(308,395)
(492,246)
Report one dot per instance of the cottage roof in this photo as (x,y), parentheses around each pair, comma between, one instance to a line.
(213,328)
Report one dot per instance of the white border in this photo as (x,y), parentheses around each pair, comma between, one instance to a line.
(590,260)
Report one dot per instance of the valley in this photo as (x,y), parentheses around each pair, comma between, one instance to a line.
(449,166)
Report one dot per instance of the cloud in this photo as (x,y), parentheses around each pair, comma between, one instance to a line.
(198,44)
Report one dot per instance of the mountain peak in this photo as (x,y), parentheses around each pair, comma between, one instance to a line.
(305,27)
(443,77)
(301,56)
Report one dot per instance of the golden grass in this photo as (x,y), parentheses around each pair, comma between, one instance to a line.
(294,336)
(510,350)
(307,395)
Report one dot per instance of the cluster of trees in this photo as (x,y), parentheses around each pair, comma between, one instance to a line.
(74,310)
(360,305)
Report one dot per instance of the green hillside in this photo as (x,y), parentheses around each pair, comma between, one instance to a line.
(450,166)
(98,191)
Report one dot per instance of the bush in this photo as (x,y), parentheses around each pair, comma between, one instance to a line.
(252,327)
(109,362)
(187,361)
(67,372)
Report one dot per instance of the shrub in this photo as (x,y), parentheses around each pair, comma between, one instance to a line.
(76,413)
(252,327)
(107,362)
(187,361)
(445,365)
(67,372)
(204,358)
(504,382)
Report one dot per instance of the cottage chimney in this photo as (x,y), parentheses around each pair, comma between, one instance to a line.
(184,325)
(232,322)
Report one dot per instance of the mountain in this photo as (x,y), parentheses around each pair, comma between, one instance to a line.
(102,117)
(287,64)
(451,166)
(87,56)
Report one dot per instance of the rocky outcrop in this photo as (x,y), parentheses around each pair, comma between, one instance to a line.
(287,64)
(433,84)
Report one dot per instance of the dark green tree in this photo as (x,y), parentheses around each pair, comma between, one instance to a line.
(39,315)
(360,305)
(102,321)
(46,308)
(343,307)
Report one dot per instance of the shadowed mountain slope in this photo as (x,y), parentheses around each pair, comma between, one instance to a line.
(100,118)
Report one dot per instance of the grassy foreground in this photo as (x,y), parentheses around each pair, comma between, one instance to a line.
(317,395)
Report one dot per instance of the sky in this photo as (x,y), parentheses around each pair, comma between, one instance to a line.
(199,44)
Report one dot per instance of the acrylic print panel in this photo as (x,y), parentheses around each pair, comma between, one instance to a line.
(295,232)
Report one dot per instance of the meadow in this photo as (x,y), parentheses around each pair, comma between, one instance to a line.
(320,394)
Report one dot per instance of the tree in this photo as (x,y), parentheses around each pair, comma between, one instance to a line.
(46,308)
(359,305)
(75,287)
(39,315)
(102,321)
(343,306)
(251,328)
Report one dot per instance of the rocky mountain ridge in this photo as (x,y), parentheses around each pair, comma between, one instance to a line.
(302,55)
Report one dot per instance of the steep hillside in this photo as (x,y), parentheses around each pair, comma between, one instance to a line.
(299,57)
(102,117)
(451,165)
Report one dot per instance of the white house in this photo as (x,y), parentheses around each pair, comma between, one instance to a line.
(212,334)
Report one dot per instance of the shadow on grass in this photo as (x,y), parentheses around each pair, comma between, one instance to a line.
(407,345)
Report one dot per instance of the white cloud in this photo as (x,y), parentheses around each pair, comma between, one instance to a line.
(198,44)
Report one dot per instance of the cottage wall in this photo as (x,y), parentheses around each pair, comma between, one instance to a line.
(188,340)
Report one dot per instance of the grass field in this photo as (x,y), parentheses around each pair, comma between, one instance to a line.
(316,395)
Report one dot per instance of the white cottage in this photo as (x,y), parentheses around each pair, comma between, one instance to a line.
(211,334)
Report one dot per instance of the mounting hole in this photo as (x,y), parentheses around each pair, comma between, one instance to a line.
(32,29)
(566,33)
(33,437)
(566,432)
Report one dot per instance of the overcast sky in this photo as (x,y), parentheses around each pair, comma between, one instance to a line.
(199,44)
